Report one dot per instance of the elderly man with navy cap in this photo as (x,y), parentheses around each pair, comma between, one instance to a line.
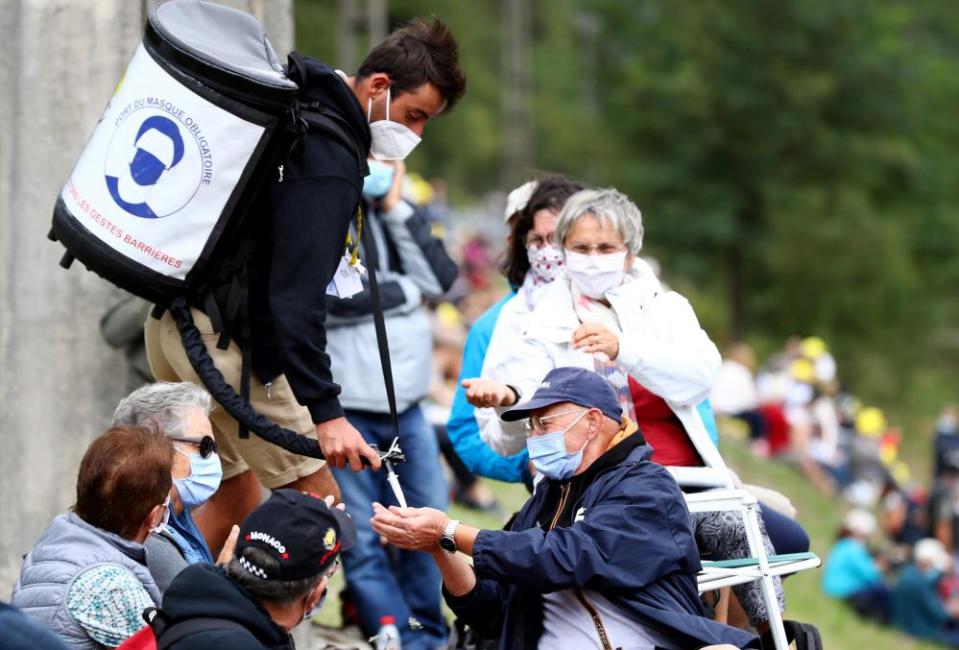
(287,550)
(601,556)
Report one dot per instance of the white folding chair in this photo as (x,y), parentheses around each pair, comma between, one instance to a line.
(720,495)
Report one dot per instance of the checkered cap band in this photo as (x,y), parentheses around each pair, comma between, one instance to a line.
(252,568)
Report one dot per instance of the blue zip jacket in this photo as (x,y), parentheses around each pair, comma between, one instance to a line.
(462,429)
(623,530)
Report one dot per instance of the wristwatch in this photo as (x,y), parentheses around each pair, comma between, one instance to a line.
(448,541)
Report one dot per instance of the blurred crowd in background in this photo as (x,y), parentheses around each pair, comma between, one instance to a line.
(792,407)
(893,560)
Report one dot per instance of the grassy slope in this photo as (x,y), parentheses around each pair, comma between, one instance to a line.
(820,516)
(840,628)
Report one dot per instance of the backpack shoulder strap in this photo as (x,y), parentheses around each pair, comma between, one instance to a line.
(296,66)
(174,632)
(322,120)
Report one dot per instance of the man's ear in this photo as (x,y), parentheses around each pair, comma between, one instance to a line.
(595,422)
(377,84)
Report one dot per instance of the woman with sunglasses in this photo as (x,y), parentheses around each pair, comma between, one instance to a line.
(181,411)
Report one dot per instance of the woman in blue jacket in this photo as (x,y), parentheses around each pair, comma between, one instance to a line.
(530,264)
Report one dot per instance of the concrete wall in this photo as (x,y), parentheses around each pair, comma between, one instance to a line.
(59,382)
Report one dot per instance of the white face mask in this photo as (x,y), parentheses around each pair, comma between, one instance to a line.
(160,527)
(595,275)
(390,140)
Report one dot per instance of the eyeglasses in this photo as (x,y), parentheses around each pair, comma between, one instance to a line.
(538,241)
(536,424)
(206,444)
(600,249)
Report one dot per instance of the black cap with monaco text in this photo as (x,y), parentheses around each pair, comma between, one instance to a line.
(298,529)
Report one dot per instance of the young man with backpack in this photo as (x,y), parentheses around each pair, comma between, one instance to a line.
(300,233)
(288,549)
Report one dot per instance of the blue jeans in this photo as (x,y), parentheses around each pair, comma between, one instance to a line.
(403,584)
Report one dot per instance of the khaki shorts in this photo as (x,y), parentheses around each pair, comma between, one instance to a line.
(273,466)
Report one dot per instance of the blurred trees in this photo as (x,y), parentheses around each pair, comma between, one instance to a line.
(796,162)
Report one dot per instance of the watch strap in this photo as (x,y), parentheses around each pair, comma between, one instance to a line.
(449,533)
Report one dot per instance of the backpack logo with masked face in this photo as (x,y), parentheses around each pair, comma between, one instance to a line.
(155,161)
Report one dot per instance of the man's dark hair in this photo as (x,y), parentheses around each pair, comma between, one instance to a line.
(278,592)
(422,51)
(124,474)
(551,193)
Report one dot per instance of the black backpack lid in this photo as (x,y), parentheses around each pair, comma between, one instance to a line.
(224,39)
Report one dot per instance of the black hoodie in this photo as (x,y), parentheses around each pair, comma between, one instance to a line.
(204,591)
(302,220)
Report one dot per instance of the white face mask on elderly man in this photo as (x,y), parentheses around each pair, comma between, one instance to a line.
(595,275)
(390,140)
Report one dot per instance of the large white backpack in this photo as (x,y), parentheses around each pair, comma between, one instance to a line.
(162,180)
(157,202)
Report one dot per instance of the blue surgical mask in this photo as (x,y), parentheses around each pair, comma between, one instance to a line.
(378,183)
(549,456)
(203,481)
(145,168)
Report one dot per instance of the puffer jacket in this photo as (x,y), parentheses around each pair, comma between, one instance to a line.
(64,551)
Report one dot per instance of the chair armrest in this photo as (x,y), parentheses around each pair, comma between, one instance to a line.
(700,477)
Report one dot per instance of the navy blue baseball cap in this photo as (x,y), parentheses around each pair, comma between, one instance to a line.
(576,385)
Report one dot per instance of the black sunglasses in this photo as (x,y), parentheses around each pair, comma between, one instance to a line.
(207,444)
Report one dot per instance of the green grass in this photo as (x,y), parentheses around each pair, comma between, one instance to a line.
(820,516)
(840,628)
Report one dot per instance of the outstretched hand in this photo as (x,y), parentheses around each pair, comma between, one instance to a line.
(483,393)
(411,529)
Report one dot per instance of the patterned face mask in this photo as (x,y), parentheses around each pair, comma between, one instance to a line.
(545,264)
